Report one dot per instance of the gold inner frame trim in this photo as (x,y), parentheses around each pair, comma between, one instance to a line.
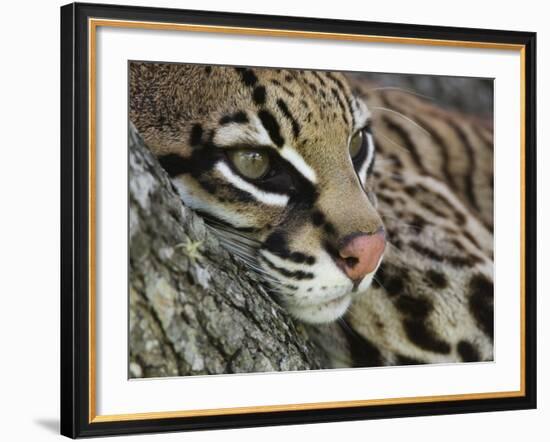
(93,24)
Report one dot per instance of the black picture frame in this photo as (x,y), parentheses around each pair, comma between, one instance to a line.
(75,195)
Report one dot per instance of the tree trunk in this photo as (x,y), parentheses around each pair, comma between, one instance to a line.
(194,309)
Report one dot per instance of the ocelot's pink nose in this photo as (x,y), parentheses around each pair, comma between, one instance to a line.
(361,253)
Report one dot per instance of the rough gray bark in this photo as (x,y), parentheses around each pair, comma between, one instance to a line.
(194,309)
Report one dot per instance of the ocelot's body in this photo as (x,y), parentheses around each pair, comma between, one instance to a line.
(390,258)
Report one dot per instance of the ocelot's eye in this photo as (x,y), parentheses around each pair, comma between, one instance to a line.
(251,164)
(356,144)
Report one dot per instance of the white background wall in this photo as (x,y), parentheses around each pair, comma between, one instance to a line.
(29,225)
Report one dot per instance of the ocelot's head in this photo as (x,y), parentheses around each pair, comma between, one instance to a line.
(279,164)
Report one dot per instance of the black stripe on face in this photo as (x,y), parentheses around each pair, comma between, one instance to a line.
(247,76)
(201,160)
(284,109)
(196,135)
(174,164)
(296,274)
(344,93)
(250,79)
(236,194)
(238,117)
(286,180)
(317,218)
(272,127)
(341,104)
(213,220)
(276,243)
(198,167)
(259,95)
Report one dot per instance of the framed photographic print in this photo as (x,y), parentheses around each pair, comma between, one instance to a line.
(275,220)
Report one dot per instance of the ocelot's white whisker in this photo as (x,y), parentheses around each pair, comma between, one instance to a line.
(244,249)
(402,224)
(234,243)
(222,227)
(396,144)
(400,89)
(410,120)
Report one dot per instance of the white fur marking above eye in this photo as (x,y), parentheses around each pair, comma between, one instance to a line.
(235,134)
(298,162)
(230,134)
(262,135)
(268,198)
(360,113)
(368,159)
(251,133)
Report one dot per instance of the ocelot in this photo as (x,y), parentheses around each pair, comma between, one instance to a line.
(367,211)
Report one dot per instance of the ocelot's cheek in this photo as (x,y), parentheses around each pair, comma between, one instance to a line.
(305,239)
(207,200)
(262,218)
